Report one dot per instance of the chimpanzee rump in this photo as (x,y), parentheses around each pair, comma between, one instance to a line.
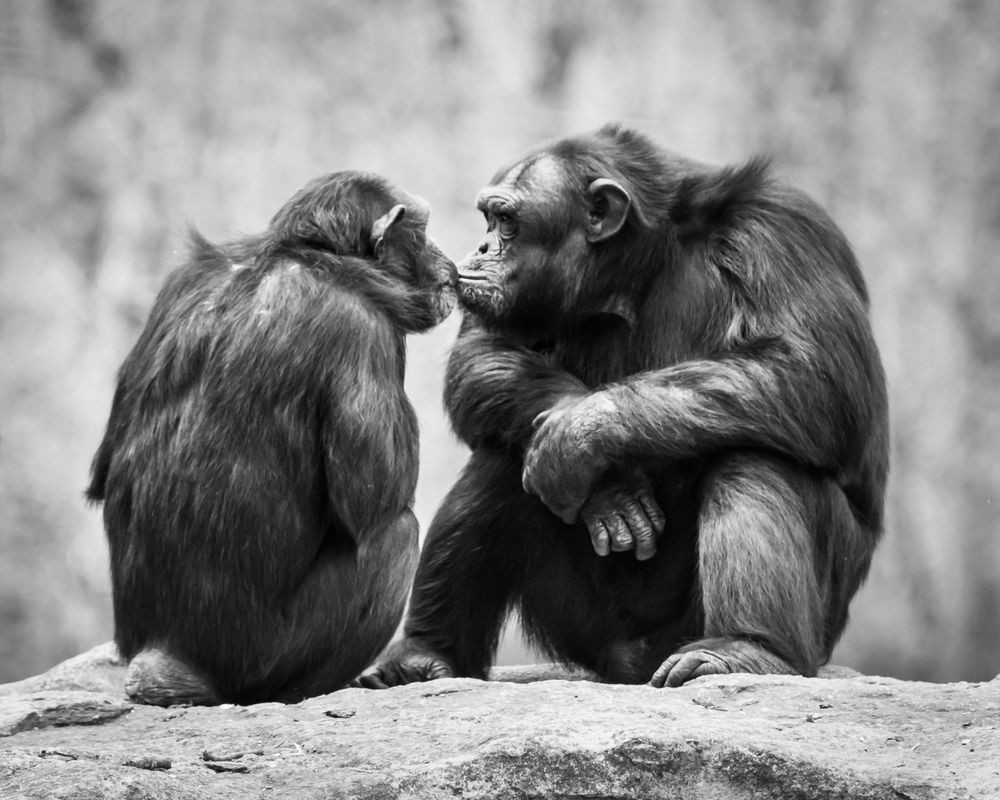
(678,422)
(260,460)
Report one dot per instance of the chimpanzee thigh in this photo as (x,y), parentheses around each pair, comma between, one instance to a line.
(781,554)
(625,616)
(492,548)
(342,615)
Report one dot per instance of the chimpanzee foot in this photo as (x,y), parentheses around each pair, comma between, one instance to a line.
(157,678)
(719,657)
(406,661)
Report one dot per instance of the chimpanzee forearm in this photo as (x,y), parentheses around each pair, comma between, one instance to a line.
(783,399)
(703,406)
(495,389)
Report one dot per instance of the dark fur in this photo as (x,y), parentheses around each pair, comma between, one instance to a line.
(720,343)
(260,460)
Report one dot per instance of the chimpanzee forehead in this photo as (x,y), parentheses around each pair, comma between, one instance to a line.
(539,178)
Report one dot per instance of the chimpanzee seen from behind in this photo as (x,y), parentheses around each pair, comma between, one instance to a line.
(260,460)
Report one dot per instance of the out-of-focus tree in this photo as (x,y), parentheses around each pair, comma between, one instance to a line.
(122,123)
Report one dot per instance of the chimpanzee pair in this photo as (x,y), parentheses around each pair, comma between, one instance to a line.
(667,379)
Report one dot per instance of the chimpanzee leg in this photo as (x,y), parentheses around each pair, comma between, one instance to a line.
(344,613)
(334,624)
(770,539)
(477,556)
(471,564)
(614,614)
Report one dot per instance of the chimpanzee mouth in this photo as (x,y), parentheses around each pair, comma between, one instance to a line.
(471,277)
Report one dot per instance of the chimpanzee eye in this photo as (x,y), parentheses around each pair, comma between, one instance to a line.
(507,225)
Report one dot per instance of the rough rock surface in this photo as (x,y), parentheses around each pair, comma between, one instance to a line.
(71,734)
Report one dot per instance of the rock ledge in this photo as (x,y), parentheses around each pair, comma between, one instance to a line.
(70,733)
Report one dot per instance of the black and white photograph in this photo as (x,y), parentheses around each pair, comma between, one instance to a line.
(542,399)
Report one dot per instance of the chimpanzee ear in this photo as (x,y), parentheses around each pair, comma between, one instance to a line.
(384,224)
(609,205)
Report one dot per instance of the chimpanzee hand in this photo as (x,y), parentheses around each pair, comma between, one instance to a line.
(624,516)
(563,464)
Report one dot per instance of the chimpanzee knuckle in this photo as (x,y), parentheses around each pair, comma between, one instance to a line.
(630,505)
(409,673)
(636,518)
(652,509)
(621,536)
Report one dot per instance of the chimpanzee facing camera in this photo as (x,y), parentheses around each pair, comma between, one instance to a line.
(260,460)
(677,415)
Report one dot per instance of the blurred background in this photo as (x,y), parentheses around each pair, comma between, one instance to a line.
(121,123)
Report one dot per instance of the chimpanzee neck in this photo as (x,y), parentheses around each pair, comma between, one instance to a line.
(596,349)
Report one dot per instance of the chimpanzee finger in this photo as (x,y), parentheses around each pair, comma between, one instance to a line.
(653,512)
(369,680)
(425,668)
(643,533)
(599,536)
(621,536)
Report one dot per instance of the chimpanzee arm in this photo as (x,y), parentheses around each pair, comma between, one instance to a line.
(368,428)
(495,389)
(102,460)
(166,340)
(813,406)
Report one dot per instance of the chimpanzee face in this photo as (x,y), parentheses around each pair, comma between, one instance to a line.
(400,245)
(363,216)
(530,269)
(524,270)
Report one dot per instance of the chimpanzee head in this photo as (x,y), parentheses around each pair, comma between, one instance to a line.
(362,215)
(558,226)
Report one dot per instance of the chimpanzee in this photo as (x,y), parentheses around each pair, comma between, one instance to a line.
(675,359)
(260,460)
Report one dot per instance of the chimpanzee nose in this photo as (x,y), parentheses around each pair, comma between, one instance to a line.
(484,247)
